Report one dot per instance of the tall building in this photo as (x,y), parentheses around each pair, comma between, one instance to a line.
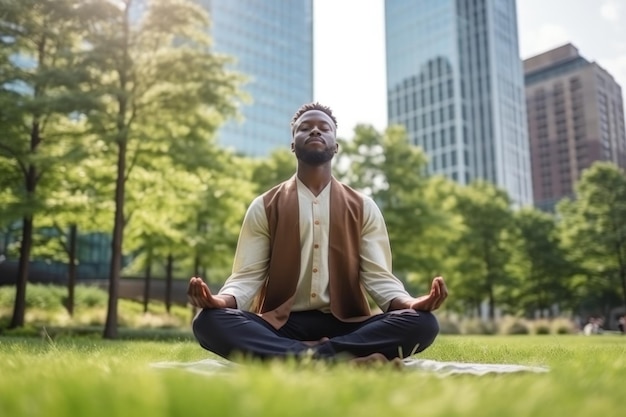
(455,81)
(272,44)
(575,117)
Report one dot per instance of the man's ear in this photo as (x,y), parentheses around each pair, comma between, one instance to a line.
(293,147)
(336,147)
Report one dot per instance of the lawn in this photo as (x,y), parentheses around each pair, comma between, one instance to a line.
(83,376)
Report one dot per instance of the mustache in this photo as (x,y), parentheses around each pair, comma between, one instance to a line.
(310,138)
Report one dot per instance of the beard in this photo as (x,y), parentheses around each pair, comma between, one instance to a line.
(314,157)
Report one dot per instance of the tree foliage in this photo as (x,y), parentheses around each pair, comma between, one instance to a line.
(539,264)
(43,82)
(163,93)
(483,248)
(594,232)
(392,172)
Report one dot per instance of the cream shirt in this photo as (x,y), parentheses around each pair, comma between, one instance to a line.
(312,293)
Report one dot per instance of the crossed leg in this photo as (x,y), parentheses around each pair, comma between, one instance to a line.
(395,334)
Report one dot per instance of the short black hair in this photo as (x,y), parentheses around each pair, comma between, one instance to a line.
(313,106)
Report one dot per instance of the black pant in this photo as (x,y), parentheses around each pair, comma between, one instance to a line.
(396,334)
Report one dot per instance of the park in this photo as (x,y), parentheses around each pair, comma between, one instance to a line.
(115,190)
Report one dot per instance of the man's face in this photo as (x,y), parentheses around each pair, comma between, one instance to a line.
(314,138)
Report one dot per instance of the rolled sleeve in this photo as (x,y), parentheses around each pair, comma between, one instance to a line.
(376,261)
(251,261)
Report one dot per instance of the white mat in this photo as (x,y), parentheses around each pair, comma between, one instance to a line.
(454,368)
(213,366)
(206,366)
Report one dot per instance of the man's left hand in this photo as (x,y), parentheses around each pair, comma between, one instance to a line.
(433,300)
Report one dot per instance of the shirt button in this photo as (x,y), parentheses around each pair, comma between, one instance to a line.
(314,201)
(314,270)
(313,295)
(317,222)
(316,246)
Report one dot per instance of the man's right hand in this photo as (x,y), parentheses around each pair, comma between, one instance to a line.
(200,296)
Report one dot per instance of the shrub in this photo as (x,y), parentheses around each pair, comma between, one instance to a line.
(477,326)
(513,325)
(563,326)
(89,296)
(542,327)
(7,297)
(45,297)
(447,326)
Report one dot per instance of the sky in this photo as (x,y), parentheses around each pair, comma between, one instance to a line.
(349,48)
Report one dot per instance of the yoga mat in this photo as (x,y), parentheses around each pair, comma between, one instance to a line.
(214,366)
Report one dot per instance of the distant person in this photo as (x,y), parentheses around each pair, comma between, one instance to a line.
(621,324)
(593,326)
(308,249)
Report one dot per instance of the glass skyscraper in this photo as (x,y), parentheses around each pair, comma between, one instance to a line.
(272,44)
(455,81)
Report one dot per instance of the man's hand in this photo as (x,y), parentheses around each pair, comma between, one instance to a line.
(200,296)
(434,299)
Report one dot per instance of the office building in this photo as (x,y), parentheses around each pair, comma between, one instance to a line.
(272,44)
(575,117)
(455,81)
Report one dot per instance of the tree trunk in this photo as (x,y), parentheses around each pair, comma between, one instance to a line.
(623,278)
(168,282)
(492,304)
(147,282)
(30,180)
(19,308)
(110,328)
(71,272)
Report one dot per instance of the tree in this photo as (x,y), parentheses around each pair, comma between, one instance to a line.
(594,229)
(42,84)
(392,171)
(483,249)
(77,204)
(165,93)
(268,172)
(539,262)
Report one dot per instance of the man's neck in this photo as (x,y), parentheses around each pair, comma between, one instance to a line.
(315,178)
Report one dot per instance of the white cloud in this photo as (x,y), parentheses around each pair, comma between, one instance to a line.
(610,10)
(547,37)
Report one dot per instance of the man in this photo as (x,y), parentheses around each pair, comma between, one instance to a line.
(307,249)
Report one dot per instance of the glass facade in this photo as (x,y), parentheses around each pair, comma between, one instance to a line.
(272,43)
(455,81)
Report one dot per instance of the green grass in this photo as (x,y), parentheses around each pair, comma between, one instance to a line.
(89,377)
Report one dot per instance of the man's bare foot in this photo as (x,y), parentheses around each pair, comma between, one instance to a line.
(377,359)
(312,343)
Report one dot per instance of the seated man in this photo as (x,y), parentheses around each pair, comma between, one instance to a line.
(307,249)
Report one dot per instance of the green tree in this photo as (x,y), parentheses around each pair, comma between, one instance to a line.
(483,249)
(539,263)
(392,171)
(165,93)
(268,172)
(594,230)
(42,82)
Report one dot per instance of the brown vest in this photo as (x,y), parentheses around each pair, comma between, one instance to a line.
(347,300)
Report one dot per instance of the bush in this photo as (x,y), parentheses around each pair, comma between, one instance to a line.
(542,327)
(513,325)
(477,326)
(447,326)
(89,296)
(563,326)
(46,306)
(7,297)
(45,297)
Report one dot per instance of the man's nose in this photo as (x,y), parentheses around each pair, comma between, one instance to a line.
(315,131)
